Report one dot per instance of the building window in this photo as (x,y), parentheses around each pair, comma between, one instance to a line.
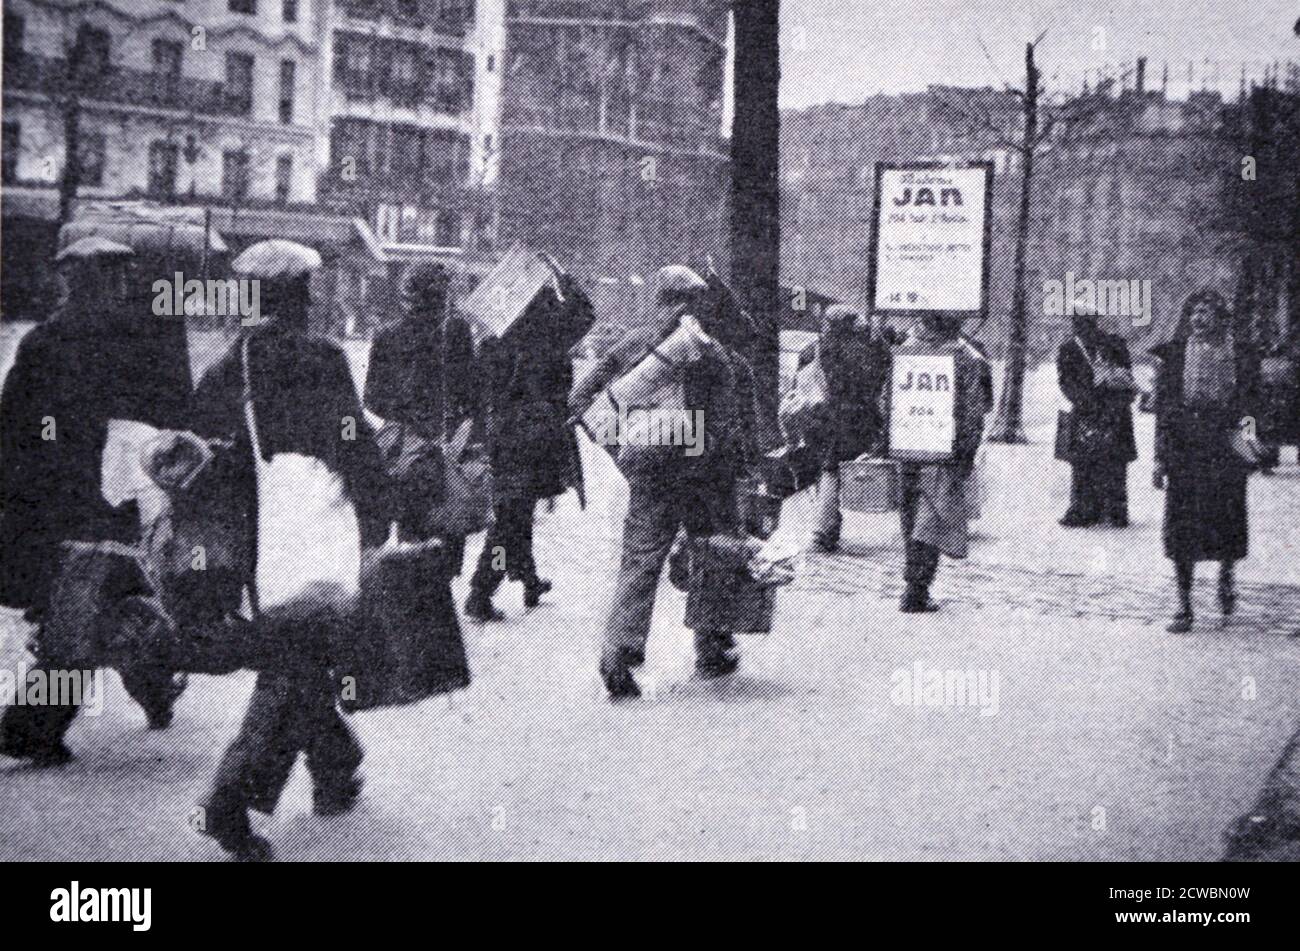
(92,53)
(239,81)
(163,159)
(234,175)
(243,6)
(15,27)
(288,76)
(93,150)
(167,58)
(9,152)
(290,11)
(283,178)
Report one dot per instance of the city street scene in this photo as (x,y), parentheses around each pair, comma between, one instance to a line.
(650,430)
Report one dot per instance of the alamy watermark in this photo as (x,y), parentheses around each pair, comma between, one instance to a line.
(922,686)
(214,297)
(652,426)
(1106,297)
(39,687)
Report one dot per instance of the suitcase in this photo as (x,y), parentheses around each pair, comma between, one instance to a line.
(869,485)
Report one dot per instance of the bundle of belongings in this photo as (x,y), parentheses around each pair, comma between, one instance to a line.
(730,578)
(176,599)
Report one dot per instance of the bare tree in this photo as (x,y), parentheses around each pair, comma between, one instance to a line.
(1037,131)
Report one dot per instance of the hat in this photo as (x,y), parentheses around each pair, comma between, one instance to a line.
(675,282)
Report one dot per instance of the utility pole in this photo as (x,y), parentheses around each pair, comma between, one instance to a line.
(756,191)
(1008,426)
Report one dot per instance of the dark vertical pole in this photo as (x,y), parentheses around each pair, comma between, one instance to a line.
(1009,425)
(755,188)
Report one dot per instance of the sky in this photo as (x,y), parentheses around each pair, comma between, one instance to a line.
(846,50)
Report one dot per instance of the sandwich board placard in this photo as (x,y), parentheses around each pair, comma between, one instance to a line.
(930,239)
(505,292)
(923,407)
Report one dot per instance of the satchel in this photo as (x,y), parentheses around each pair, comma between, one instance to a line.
(308,535)
(406,645)
(465,503)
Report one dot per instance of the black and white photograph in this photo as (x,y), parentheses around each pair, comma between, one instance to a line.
(651,431)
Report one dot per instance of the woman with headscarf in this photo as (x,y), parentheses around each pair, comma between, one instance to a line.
(305,403)
(1206,390)
(527,374)
(1095,375)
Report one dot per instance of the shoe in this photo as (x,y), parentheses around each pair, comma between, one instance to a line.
(53,756)
(534,588)
(1181,624)
(159,719)
(825,544)
(617,675)
(334,799)
(478,607)
(1120,521)
(1076,521)
(916,600)
(233,833)
(717,665)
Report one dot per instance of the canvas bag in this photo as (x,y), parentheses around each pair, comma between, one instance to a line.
(308,536)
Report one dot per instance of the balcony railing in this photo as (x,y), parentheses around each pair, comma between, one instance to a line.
(134,87)
(449,17)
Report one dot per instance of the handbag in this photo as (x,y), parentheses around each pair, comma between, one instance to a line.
(465,504)
(406,645)
(308,537)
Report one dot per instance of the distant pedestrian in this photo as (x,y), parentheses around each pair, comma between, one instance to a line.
(1206,388)
(527,374)
(422,375)
(1095,375)
(934,509)
(854,363)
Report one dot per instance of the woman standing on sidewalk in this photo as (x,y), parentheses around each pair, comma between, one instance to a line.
(1096,376)
(1205,392)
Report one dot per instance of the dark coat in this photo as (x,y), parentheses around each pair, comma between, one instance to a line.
(1098,409)
(408,375)
(528,374)
(78,371)
(1205,496)
(854,364)
(303,393)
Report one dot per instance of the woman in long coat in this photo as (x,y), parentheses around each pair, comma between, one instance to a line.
(1205,387)
(528,374)
(1098,441)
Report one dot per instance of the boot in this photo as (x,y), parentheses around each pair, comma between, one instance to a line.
(478,607)
(916,600)
(1227,595)
(227,824)
(534,588)
(336,798)
(616,672)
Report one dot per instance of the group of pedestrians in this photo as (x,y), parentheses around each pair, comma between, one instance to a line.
(280,390)
(1206,400)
